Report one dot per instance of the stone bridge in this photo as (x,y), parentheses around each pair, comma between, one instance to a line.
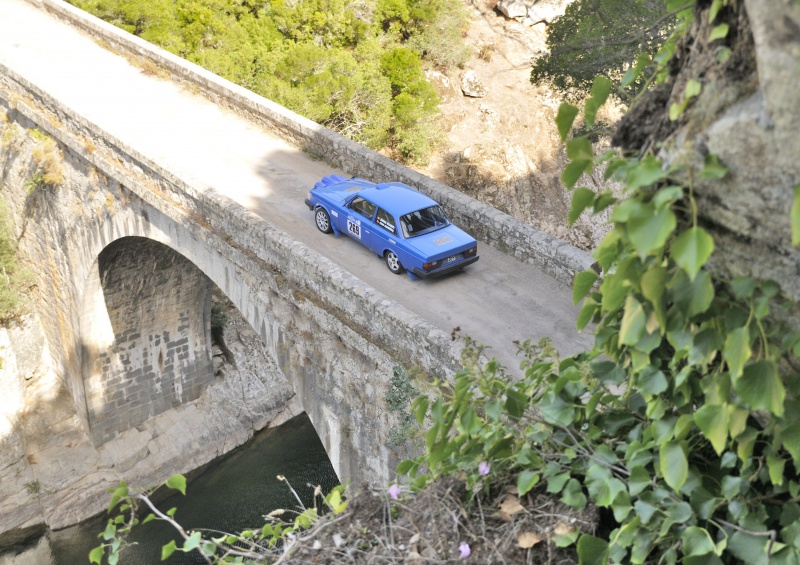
(126,253)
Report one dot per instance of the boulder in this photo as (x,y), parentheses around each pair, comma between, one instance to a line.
(513,9)
(472,86)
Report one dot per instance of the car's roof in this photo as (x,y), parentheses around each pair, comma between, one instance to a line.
(396,198)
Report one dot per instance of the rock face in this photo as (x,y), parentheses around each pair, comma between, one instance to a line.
(532,12)
(748,116)
(472,86)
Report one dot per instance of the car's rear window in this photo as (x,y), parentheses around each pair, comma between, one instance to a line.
(423,221)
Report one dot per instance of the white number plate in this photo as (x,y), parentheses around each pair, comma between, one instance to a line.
(451,259)
(354,227)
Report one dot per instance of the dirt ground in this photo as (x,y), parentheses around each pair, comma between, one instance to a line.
(503,148)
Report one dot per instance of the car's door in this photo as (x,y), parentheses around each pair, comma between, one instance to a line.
(357,222)
(384,234)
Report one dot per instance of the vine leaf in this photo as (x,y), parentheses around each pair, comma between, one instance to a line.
(713,420)
(791,441)
(582,198)
(674,466)
(96,555)
(716,5)
(168,550)
(555,410)
(592,550)
(178,482)
(737,350)
(565,118)
(719,32)
(696,541)
(650,232)
(600,90)
(646,172)
(630,76)
(691,250)
(654,282)
(526,481)
(761,387)
(582,284)
(633,322)
(579,150)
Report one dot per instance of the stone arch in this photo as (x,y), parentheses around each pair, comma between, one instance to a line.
(145,335)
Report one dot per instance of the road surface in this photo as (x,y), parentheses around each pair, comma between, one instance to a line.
(495,301)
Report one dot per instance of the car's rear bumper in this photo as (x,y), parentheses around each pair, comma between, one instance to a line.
(309,204)
(444,270)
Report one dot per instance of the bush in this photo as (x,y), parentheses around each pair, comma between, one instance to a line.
(319,58)
(49,160)
(14,280)
(682,421)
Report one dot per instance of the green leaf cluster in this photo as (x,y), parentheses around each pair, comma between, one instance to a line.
(354,67)
(684,418)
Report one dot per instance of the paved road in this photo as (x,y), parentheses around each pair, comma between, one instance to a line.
(496,301)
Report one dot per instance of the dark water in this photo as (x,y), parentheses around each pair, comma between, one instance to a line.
(231,495)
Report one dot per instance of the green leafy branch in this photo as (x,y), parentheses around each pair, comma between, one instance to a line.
(274,539)
(683,420)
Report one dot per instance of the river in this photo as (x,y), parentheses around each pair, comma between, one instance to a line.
(231,494)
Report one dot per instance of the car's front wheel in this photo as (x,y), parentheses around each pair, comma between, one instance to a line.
(393,262)
(323,220)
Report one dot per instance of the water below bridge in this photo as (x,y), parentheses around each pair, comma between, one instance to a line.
(229,495)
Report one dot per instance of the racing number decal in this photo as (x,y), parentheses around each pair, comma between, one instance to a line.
(354,227)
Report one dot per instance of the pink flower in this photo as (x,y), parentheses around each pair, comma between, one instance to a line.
(394,491)
(464,550)
(483,468)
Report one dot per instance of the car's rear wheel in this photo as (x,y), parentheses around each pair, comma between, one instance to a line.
(393,262)
(323,220)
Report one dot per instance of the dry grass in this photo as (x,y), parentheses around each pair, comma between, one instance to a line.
(49,159)
(430,526)
(150,68)
(89,145)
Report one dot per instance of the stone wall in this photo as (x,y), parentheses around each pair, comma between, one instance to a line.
(146,347)
(554,256)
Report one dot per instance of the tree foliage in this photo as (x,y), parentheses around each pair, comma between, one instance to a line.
(601,37)
(323,59)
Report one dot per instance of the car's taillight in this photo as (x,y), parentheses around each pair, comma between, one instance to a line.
(471,252)
(431,266)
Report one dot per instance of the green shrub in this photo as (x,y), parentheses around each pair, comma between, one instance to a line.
(14,279)
(319,58)
(683,421)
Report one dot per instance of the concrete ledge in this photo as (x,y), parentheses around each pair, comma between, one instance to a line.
(555,257)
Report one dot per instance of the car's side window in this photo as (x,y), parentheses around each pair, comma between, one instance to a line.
(363,207)
(385,220)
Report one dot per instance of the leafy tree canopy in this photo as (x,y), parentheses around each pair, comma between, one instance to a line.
(600,37)
(323,59)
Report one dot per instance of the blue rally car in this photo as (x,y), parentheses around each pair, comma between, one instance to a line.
(402,225)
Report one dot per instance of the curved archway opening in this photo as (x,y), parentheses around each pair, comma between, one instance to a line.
(145,332)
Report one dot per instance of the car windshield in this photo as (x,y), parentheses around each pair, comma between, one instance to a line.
(423,221)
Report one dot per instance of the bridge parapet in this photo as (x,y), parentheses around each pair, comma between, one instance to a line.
(527,244)
(301,304)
